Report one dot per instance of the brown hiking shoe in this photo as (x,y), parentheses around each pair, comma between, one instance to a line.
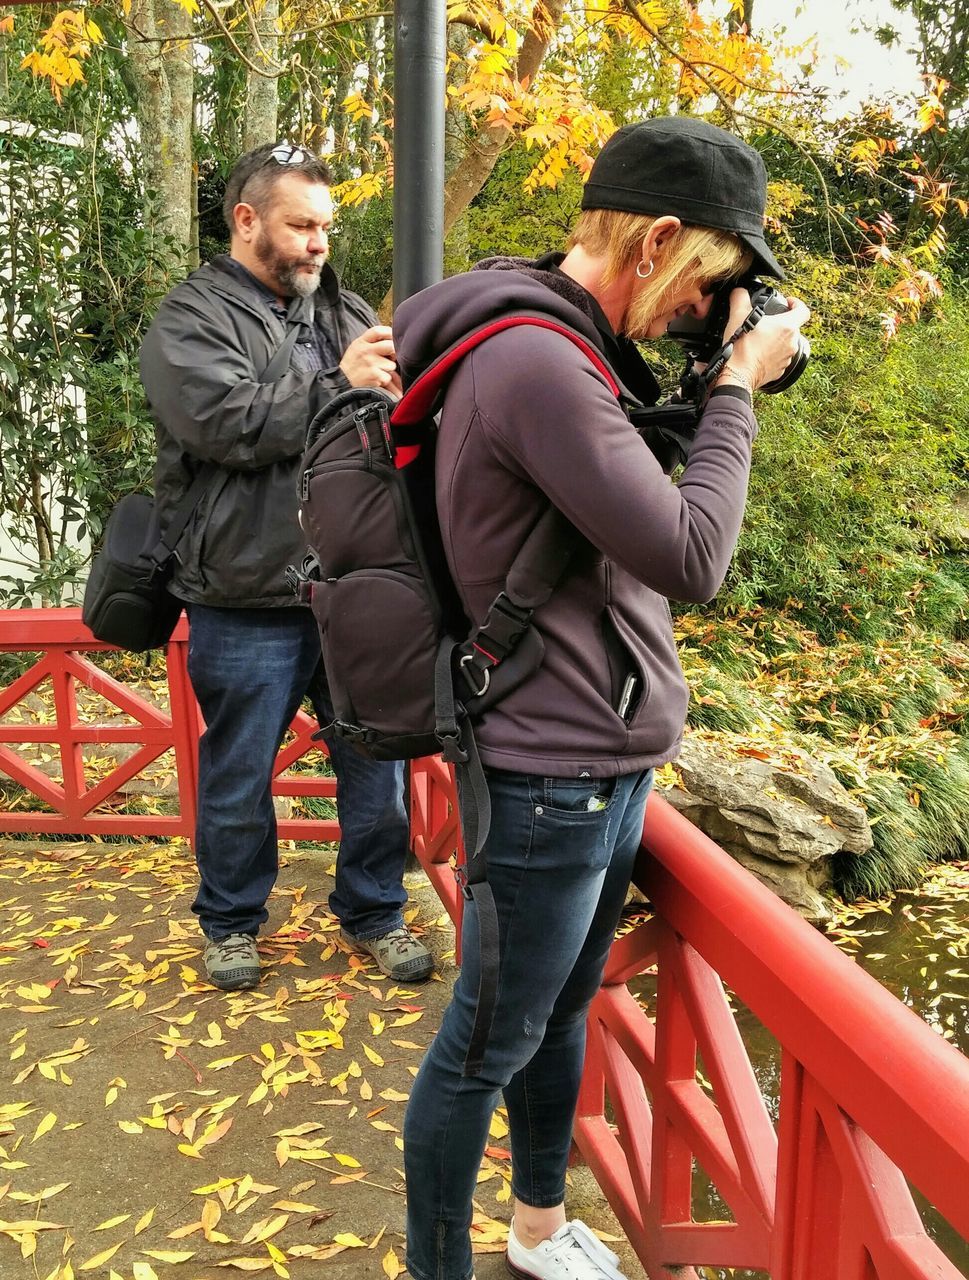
(398,954)
(232,963)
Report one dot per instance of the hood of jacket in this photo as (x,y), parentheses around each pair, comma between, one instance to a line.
(430,322)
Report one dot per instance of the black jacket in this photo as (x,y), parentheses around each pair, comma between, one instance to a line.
(201,364)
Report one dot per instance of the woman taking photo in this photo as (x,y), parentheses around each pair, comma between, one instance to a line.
(673,208)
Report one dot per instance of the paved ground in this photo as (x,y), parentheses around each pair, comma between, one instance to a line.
(151,1126)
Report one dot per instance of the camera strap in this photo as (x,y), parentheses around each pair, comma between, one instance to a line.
(698,385)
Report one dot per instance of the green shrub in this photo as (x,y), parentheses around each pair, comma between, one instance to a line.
(854,474)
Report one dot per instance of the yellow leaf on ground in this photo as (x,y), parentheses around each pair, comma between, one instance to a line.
(406,1019)
(218,1063)
(28,1224)
(112,1222)
(349,1241)
(36,1198)
(348,1161)
(45,1126)
(100,1258)
(214,1134)
(181,1232)
(263,1230)
(144,1221)
(373,1055)
(391,1265)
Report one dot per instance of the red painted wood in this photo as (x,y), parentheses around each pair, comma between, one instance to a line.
(870,1096)
(900,1081)
(61,642)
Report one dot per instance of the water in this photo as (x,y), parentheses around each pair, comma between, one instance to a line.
(916,945)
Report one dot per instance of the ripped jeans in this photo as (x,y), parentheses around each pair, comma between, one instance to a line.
(560,856)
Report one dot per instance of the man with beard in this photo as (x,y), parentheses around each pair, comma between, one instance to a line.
(238,360)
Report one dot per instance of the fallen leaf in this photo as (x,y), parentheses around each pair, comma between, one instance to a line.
(391,1265)
(100,1258)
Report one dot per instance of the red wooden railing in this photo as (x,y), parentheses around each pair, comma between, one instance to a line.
(870,1095)
(80,805)
(871,1098)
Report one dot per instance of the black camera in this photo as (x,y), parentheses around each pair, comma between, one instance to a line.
(668,428)
(702,339)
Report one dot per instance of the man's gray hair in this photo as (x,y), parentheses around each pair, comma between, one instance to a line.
(255,175)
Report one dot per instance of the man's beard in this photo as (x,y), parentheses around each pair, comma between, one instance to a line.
(288,273)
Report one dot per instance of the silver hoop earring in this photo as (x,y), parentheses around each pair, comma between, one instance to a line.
(644,275)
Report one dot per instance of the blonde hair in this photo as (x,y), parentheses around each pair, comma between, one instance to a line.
(704,253)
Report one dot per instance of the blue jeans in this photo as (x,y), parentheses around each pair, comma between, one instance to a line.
(251,669)
(560,855)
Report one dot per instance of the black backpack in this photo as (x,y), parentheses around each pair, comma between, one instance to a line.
(407,672)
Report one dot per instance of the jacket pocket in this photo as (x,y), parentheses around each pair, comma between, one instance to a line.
(199,535)
(628,676)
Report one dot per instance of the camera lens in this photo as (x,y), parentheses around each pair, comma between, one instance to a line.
(773,303)
(793,371)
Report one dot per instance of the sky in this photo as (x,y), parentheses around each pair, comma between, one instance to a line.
(839,26)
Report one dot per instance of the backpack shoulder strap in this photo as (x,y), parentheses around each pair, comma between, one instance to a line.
(422,396)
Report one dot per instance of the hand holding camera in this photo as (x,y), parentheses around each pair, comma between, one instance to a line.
(753,327)
(369,361)
(772,354)
(750,336)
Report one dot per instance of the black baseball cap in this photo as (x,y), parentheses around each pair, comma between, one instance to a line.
(686,167)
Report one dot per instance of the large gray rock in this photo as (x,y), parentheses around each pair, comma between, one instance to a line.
(784,822)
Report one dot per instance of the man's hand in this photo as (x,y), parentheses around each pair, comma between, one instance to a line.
(763,354)
(369,361)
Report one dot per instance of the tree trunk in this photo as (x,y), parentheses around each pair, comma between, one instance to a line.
(160,60)
(340,121)
(745,18)
(262,92)
(481,156)
(371,90)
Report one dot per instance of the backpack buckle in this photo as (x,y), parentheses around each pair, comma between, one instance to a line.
(480,668)
(451,749)
(301,580)
(461,880)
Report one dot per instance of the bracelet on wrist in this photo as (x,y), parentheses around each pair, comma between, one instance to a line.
(738,376)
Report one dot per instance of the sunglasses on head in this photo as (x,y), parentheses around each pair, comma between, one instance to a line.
(285,153)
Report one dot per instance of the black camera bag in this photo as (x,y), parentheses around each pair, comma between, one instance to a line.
(126,600)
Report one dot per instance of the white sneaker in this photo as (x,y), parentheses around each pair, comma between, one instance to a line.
(573,1253)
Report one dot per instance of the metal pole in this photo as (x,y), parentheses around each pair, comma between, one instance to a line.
(420,47)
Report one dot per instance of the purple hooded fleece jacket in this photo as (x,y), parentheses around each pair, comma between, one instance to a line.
(528,419)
